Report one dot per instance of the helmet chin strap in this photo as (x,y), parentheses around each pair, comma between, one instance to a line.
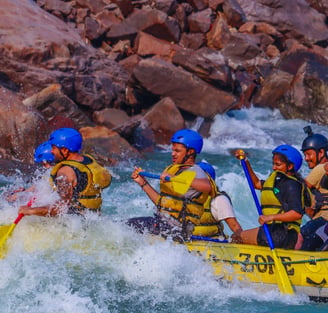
(62,155)
(317,157)
(319,161)
(188,155)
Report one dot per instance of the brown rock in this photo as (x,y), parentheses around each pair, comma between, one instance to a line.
(92,29)
(121,50)
(130,63)
(208,64)
(186,90)
(200,22)
(192,41)
(215,4)
(106,145)
(167,6)
(272,51)
(319,5)
(110,118)
(81,14)
(234,13)
(292,60)
(273,89)
(40,56)
(21,128)
(248,27)
(95,6)
(219,35)
(125,6)
(51,102)
(153,22)
(267,29)
(164,128)
(291,18)
(147,45)
(199,5)
(181,16)
(308,93)
(108,18)
(63,8)
(242,47)
(247,84)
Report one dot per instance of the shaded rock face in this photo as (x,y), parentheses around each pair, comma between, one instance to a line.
(18,127)
(164,128)
(39,55)
(177,81)
(301,87)
(120,64)
(295,19)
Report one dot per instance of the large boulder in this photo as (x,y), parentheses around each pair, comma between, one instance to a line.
(21,129)
(38,56)
(164,128)
(298,88)
(189,92)
(295,19)
(151,21)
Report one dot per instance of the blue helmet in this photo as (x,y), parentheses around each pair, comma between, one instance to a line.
(68,138)
(43,153)
(208,168)
(189,138)
(292,155)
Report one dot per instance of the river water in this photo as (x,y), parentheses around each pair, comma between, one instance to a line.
(98,265)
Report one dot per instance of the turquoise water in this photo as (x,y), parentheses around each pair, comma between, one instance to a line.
(99,265)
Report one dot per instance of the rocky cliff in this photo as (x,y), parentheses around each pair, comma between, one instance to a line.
(114,68)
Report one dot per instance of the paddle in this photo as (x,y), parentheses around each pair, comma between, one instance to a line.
(180,183)
(284,283)
(6,231)
(203,238)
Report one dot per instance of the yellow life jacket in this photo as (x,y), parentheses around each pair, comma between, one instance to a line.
(98,178)
(174,204)
(208,226)
(271,204)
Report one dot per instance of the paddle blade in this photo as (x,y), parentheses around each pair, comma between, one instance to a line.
(181,183)
(5,232)
(284,283)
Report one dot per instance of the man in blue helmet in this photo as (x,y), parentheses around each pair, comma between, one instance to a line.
(78,178)
(283,195)
(42,155)
(176,214)
(314,148)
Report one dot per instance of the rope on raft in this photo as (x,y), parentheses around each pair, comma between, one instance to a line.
(312,261)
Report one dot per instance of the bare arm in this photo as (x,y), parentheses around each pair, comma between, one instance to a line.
(289,216)
(65,182)
(52,210)
(233,225)
(256,181)
(201,184)
(146,187)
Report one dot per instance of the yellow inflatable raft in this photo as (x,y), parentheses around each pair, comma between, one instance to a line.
(307,271)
